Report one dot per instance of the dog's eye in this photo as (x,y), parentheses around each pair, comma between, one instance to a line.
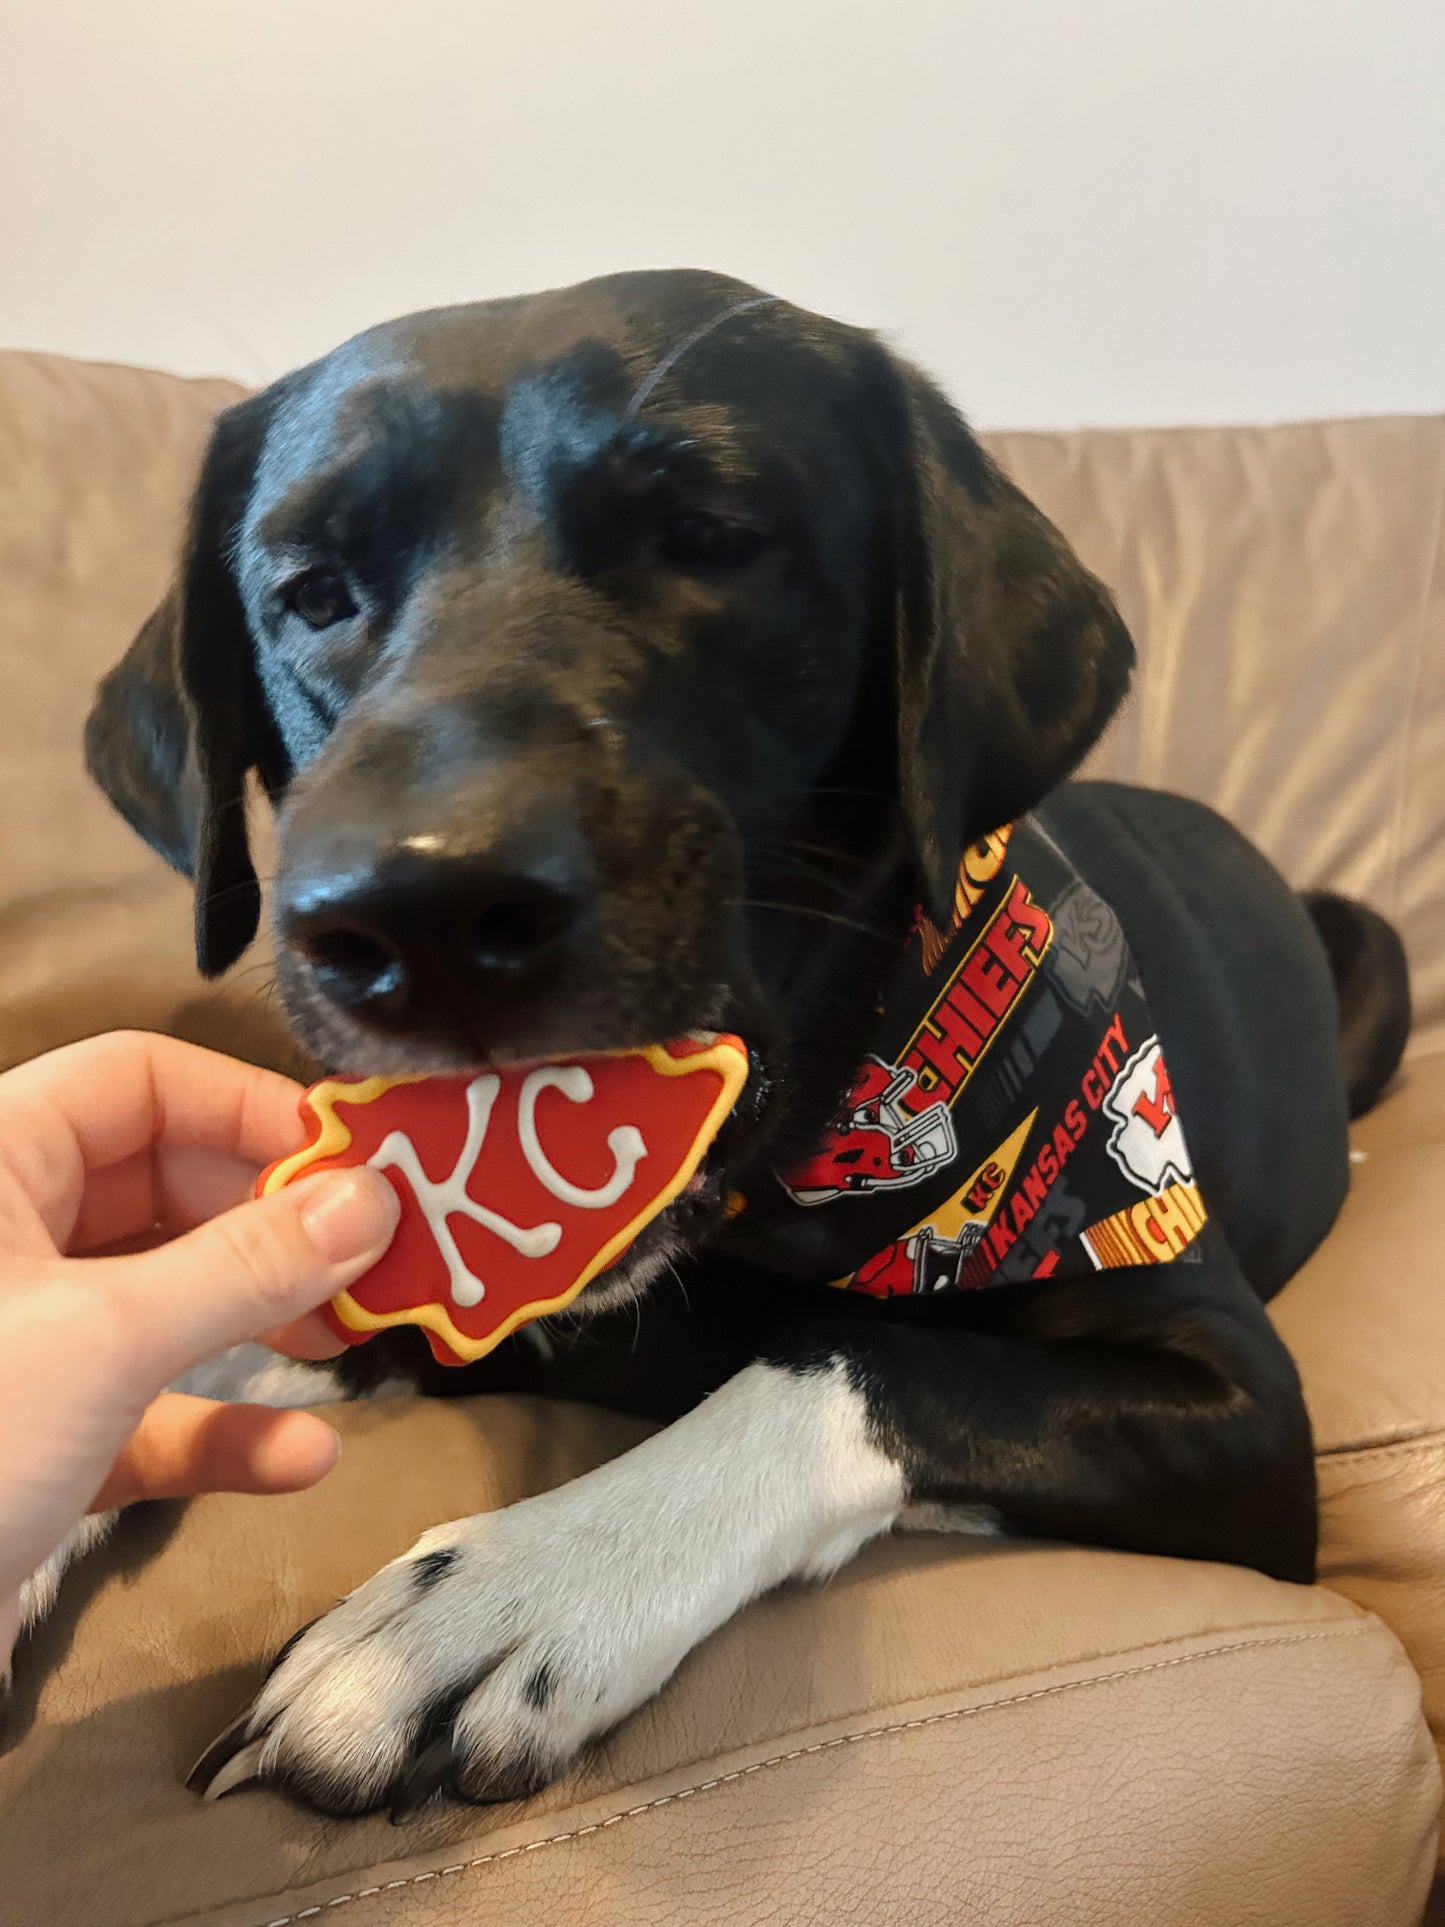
(698,541)
(320,599)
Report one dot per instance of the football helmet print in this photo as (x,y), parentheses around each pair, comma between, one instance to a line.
(874,1143)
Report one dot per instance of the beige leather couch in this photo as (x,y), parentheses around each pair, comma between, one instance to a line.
(1020,1734)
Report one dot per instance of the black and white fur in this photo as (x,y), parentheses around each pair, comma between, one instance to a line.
(629,660)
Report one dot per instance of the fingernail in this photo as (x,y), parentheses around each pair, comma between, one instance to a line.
(349,1213)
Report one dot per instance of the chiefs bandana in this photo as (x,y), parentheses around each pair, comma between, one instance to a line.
(1013,1117)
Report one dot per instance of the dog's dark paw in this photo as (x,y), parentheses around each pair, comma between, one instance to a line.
(476,1667)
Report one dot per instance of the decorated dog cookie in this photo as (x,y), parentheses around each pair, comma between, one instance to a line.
(517,1186)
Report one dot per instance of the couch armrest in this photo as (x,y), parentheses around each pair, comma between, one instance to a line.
(1365,1320)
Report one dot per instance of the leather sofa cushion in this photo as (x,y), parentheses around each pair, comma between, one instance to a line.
(947,1731)
(1365,1321)
(1287,588)
(95,466)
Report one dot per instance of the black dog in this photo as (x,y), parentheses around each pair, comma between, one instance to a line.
(637,659)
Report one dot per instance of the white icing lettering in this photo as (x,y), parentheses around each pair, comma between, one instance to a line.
(625,1143)
(449,1198)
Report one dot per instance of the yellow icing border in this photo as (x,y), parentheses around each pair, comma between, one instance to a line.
(334,1136)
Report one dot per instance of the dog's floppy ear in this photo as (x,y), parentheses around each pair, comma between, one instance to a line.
(178,723)
(1011,656)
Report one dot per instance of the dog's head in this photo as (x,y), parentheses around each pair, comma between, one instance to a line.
(620,661)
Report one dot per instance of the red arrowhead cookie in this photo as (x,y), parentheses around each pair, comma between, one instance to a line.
(517,1186)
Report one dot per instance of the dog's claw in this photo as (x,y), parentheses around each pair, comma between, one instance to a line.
(237,1772)
(430,1773)
(229,1761)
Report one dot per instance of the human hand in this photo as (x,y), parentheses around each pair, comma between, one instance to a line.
(129,1139)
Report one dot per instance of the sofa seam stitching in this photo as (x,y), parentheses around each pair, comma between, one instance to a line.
(805,1752)
(1415,1442)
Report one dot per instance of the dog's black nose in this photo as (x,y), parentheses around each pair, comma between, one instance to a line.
(417,933)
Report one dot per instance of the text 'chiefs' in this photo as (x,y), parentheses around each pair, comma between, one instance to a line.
(952,1039)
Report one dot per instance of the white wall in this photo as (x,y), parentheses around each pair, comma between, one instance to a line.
(1071,210)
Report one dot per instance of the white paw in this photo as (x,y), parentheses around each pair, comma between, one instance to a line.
(477,1665)
(482,1661)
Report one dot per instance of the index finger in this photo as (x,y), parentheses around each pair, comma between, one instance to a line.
(91,1105)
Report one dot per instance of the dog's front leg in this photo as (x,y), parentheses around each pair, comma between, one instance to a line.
(482,1660)
(1149,1408)
(1146,1411)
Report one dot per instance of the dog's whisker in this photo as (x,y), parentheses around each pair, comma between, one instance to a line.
(679,1281)
(261,967)
(783,867)
(843,858)
(784,871)
(221,804)
(819,916)
(213,897)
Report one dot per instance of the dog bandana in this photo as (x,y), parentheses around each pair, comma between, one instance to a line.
(1013,1117)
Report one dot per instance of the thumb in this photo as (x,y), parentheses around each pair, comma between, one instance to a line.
(251,1268)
